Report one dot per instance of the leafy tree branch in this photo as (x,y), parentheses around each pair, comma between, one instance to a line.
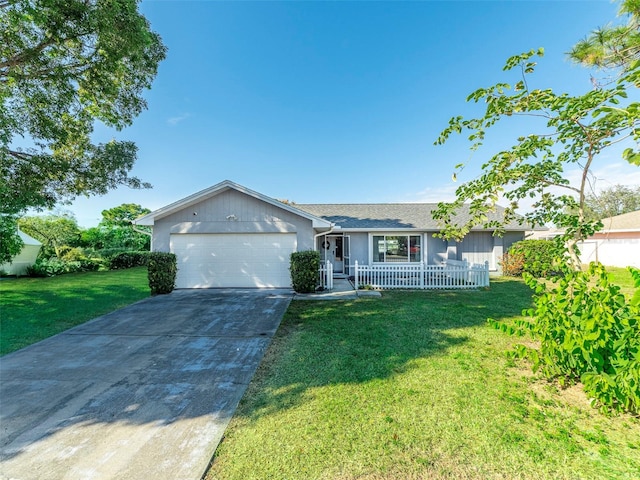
(576,130)
(63,65)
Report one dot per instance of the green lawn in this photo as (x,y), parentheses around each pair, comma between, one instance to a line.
(415,385)
(32,309)
(623,278)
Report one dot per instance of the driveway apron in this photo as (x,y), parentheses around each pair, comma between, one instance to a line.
(143,392)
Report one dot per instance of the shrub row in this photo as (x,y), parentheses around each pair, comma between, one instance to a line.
(162,267)
(78,260)
(55,266)
(129,260)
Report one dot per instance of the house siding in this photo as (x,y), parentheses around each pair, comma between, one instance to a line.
(436,249)
(510,238)
(251,216)
(359,248)
(478,247)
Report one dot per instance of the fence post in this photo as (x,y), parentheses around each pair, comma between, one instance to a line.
(329,275)
(486,273)
(355,275)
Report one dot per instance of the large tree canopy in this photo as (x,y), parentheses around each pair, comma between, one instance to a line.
(123,215)
(53,231)
(63,65)
(612,201)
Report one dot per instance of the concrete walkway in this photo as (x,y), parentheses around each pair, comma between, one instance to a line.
(143,392)
(342,290)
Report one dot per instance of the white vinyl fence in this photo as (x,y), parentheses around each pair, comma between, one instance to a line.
(452,275)
(326,275)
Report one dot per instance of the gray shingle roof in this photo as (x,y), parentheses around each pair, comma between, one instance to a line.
(391,215)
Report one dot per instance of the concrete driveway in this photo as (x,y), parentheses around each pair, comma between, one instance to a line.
(143,392)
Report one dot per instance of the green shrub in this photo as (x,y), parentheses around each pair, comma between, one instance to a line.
(129,260)
(588,331)
(304,270)
(92,264)
(51,267)
(539,257)
(163,268)
(55,266)
(109,253)
(67,253)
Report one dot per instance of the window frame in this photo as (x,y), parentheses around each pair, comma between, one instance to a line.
(374,235)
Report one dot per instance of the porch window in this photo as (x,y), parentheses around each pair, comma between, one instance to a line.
(396,248)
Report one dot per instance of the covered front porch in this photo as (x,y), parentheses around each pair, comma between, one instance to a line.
(453,274)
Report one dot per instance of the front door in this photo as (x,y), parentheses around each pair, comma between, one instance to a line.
(336,253)
(333,250)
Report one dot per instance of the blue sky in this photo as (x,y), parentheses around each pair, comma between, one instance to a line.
(336,102)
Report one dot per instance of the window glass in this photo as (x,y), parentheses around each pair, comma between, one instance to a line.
(378,248)
(396,248)
(415,250)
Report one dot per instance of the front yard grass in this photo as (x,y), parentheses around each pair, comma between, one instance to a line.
(622,277)
(32,309)
(415,385)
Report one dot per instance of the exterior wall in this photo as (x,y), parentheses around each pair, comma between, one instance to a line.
(510,238)
(250,215)
(478,247)
(615,251)
(359,248)
(436,249)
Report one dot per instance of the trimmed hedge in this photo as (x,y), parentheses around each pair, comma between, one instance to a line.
(304,271)
(538,257)
(163,267)
(129,260)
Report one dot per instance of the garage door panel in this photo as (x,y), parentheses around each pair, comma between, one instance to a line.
(233,260)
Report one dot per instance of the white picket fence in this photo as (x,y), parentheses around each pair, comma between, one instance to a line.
(452,275)
(326,275)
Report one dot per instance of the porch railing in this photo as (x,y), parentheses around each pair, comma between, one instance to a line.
(452,275)
(326,275)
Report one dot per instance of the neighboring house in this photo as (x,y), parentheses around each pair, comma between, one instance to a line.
(617,244)
(230,236)
(26,257)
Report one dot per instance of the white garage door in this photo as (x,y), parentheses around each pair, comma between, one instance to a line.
(233,259)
